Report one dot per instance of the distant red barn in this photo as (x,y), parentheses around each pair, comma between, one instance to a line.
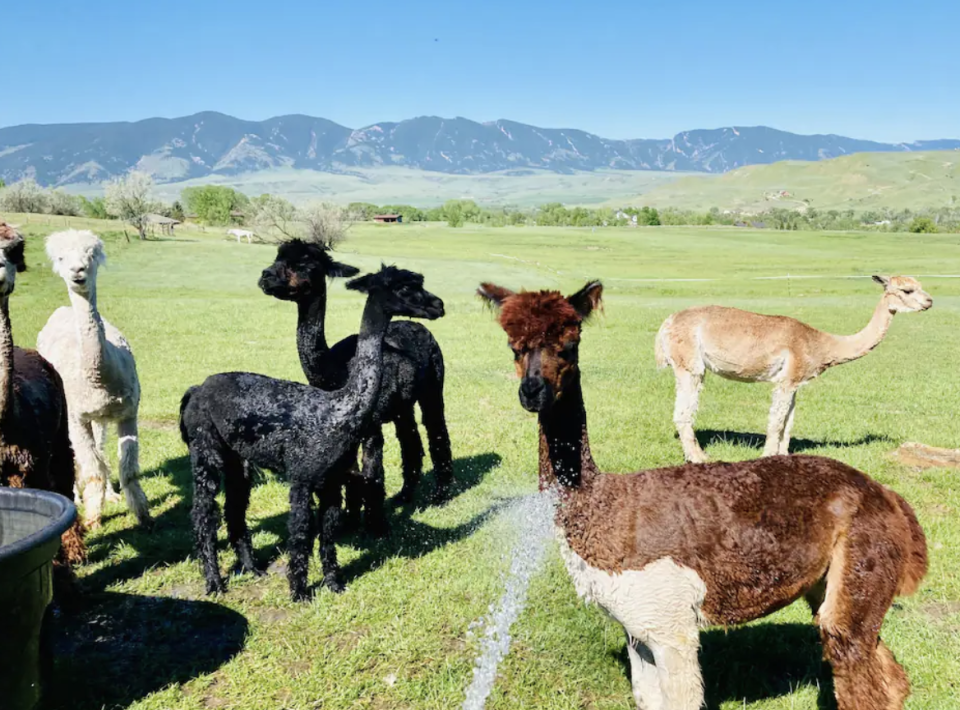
(385,218)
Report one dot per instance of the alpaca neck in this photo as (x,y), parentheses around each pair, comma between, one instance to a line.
(89,329)
(311,335)
(366,368)
(851,347)
(6,363)
(565,457)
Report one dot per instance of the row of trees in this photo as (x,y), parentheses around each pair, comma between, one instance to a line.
(130,199)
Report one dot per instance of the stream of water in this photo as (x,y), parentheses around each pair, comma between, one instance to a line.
(531,518)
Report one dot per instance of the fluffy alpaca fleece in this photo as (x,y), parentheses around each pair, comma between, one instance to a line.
(750,347)
(34,442)
(99,376)
(667,550)
(413,372)
(304,432)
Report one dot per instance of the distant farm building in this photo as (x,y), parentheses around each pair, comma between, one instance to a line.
(388,218)
(158,221)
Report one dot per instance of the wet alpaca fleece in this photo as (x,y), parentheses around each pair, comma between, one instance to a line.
(413,372)
(301,431)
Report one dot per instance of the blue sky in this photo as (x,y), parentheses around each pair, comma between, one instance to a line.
(883,70)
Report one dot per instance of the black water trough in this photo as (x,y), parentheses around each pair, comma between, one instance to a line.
(31,523)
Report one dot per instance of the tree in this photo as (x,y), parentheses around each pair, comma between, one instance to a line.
(95,208)
(4,184)
(176,211)
(60,203)
(24,196)
(128,198)
(274,216)
(215,204)
(923,225)
(323,223)
(453,213)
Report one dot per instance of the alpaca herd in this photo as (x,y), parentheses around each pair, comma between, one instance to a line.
(663,551)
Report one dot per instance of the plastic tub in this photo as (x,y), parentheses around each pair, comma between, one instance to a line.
(31,523)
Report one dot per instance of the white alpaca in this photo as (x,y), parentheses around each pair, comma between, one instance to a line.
(99,375)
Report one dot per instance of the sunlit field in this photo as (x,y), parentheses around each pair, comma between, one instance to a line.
(148,638)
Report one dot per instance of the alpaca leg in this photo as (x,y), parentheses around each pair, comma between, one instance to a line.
(63,476)
(206,461)
(685,411)
(788,427)
(374,490)
(779,409)
(411,451)
(353,486)
(236,489)
(644,676)
(92,472)
(100,436)
(300,538)
(866,675)
(129,453)
(329,515)
(438,438)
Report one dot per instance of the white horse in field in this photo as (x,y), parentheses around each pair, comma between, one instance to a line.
(242,234)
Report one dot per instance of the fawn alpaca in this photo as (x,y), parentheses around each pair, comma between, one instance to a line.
(751,347)
(667,550)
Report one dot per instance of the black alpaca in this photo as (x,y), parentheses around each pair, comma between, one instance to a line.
(296,429)
(412,372)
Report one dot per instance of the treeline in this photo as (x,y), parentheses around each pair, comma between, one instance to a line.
(221,205)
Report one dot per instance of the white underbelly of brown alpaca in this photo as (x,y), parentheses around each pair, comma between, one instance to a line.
(653,605)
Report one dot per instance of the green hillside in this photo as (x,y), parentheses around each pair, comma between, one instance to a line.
(860,182)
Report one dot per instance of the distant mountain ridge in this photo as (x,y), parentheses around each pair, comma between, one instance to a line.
(212,143)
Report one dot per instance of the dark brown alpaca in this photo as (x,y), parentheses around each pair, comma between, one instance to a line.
(34,444)
(668,550)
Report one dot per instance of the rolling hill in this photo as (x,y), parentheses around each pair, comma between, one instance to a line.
(211,144)
(859,182)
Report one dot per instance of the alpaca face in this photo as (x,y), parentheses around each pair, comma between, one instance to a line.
(300,271)
(399,293)
(904,294)
(543,331)
(76,255)
(11,258)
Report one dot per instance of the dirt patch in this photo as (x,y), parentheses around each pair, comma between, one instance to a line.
(940,612)
(347,640)
(158,424)
(922,456)
(274,616)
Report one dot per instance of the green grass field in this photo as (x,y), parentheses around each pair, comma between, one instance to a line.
(398,638)
(859,182)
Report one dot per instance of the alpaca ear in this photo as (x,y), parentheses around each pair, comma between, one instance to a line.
(361,283)
(588,299)
(882,280)
(338,270)
(494,295)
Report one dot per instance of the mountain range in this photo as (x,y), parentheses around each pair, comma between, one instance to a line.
(211,144)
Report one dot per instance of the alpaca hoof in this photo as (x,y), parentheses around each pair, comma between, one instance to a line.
(406,494)
(216,586)
(334,585)
(350,522)
(300,595)
(146,522)
(240,568)
(113,496)
(92,523)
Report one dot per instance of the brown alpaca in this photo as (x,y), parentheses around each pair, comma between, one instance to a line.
(750,347)
(668,550)
(34,443)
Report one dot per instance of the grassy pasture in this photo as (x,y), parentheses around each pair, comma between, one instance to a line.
(149,639)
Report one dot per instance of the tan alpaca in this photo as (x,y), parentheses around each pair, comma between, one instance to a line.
(750,347)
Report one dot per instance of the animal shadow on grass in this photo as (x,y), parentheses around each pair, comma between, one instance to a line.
(709,437)
(754,663)
(407,537)
(167,541)
(124,647)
